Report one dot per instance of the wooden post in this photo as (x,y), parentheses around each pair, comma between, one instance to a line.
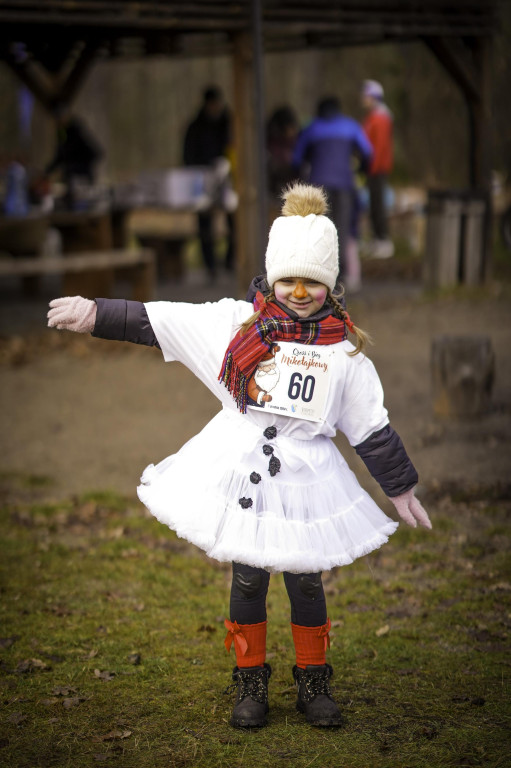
(250,248)
(469,62)
(462,375)
(482,111)
(260,121)
(441,263)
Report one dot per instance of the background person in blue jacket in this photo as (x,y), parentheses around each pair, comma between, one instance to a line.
(324,156)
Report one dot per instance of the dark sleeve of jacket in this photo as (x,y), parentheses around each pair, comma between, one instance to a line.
(122,320)
(385,457)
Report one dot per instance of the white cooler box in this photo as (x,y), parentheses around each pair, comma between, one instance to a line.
(191,187)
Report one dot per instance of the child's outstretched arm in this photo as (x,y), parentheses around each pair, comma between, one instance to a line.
(385,457)
(116,319)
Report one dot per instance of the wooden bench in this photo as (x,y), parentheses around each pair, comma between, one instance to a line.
(91,273)
(166,232)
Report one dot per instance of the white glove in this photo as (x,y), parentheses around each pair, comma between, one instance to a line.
(72,313)
(410,509)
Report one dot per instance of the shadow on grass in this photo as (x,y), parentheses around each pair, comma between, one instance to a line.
(112,643)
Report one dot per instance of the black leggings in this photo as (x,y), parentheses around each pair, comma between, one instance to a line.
(250,586)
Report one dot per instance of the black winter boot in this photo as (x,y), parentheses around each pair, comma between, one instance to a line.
(251,705)
(314,696)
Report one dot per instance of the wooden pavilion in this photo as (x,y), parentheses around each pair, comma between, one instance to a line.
(52,44)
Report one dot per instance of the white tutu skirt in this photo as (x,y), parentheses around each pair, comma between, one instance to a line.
(311,516)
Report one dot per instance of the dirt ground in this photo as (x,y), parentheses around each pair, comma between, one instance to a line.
(89,414)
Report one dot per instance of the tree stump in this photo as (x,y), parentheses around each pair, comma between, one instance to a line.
(463,369)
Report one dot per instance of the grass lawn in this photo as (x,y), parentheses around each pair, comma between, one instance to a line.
(111,647)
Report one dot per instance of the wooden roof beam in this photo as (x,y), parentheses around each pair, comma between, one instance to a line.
(127,23)
(52,89)
(455,56)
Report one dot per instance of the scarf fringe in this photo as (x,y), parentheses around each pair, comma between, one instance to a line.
(235,381)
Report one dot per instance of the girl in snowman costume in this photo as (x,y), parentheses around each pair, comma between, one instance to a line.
(262,485)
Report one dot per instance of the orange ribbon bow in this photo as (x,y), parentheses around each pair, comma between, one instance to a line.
(235,633)
(323,632)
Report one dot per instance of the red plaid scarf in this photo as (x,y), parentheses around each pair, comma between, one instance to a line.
(245,351)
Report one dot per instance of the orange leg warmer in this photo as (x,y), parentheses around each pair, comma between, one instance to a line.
(311,644)
(249,642)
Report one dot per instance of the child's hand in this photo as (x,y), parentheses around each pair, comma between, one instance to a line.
(411,510)
(72,313)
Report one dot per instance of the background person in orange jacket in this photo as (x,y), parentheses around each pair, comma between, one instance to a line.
(378,129)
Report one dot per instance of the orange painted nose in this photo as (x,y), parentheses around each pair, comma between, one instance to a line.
(299,291)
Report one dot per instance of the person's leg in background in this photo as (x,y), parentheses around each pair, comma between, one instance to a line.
(205,221)
(230,253)
(247,630)
(383,247)
(310,626)
(353,272)
(340,202)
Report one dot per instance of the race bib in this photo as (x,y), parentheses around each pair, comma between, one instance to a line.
(294,382)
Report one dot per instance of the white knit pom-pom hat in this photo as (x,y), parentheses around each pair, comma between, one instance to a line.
(303,241)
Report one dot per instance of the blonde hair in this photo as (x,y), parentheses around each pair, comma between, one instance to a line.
(363,338)
(249,322)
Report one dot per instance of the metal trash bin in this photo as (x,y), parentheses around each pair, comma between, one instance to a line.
(455,238)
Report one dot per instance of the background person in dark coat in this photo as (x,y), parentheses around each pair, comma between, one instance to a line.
(77,152)
(324,155)
(208,138)
(282,131)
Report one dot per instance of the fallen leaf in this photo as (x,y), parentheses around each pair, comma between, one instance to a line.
(50,702)
(32,665)
(6,642)
(382,631)
(113,533)
(130,553)
(399,613)
(206,628)
(135,658)
(113,596)
(63,690)
(16,718)
(113,735)
(104,675)
(55,658)
(502,586)
(72,702)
